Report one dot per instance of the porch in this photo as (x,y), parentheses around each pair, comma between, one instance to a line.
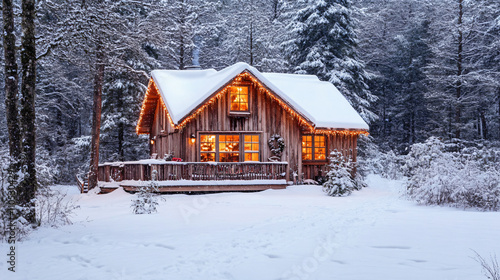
(194,176)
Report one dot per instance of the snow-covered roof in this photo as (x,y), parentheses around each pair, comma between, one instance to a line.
(320,102)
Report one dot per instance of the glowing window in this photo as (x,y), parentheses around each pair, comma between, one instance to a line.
(251,147)
(314,147)
(207,147)
(229,148)
(239,99)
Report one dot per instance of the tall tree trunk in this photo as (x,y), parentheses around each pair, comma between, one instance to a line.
(28,64)
(484,125)
(251,43)
(121,153)
(11,80)
(96,119)
(458,95)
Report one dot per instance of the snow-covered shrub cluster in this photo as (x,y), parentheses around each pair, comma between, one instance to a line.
(374,161)
(451,174)
(339,179)
(146,199)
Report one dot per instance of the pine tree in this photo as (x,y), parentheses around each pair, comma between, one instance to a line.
(146,201)
(323,43)
(339,181)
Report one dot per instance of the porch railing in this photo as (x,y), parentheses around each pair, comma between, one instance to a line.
(203,171)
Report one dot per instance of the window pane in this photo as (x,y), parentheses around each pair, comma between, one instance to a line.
(306,141)
(207,143)
(229,157)
(239,98)
(319,141)
(319,154)
(207,157)
(307,147)
(306,153)
(252,148)
(251,156)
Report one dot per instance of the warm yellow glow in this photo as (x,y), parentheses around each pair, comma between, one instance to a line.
(239,98)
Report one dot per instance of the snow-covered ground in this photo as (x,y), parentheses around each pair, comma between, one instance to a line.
(297,233)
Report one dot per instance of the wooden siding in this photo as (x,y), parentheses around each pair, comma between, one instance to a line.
(266,117)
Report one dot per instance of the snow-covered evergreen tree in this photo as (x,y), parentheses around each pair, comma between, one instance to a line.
(146,199)
(339,181)
(322,41)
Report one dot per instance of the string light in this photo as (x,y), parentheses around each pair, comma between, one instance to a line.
(303,121)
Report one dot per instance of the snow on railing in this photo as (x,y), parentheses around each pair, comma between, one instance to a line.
(198,171)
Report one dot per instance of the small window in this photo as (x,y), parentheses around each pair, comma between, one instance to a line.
(207,147)
(319,147)
(314,147)
(251,147)
(239,98)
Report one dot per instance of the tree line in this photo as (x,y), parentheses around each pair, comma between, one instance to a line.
(412,68)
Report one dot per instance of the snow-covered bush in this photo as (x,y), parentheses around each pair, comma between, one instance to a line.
(146,200)
(339,179)
(374,161)
(465,178)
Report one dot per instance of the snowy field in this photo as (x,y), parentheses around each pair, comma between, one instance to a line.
(297,233)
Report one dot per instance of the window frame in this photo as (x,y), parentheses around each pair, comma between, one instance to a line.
(241,151)
(313,149)
(239,113)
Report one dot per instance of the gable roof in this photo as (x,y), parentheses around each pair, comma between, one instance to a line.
(320,103)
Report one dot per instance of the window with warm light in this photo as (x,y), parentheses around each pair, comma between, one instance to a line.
(239,98)
(314,147)
(207,147)
(233,147)
(229,148)
(251,147)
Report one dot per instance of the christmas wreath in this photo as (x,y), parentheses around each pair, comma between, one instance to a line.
(277,145)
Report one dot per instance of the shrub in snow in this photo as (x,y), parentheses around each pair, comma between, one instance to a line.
(491,269)
(339,180)
(468,177)
(374,161)
(146,200)
(53,208)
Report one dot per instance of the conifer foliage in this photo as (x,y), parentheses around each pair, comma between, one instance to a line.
(147,200)
(339,179)
(323,43)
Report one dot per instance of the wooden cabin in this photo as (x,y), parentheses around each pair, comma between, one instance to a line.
(240,124)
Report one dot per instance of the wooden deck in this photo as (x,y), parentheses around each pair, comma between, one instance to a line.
(198,186)
(174,177)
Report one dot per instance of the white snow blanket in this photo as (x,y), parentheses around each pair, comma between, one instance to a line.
(297,233)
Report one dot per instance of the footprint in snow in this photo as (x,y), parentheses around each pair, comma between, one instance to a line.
(271,256)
